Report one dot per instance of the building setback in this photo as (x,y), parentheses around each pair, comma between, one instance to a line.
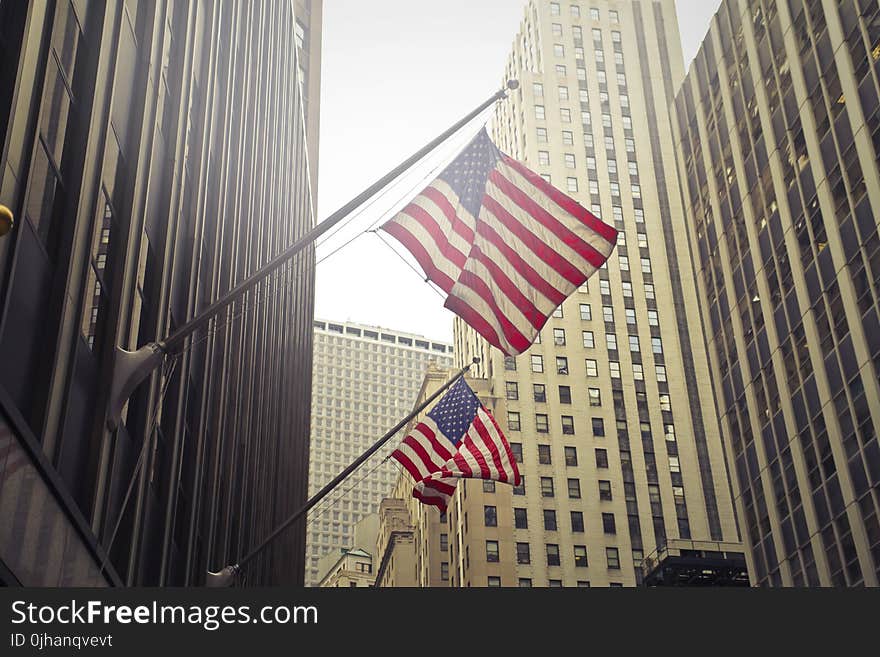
(778,136)
(365,381)
(154,154)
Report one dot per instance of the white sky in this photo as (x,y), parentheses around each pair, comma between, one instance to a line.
(394,75)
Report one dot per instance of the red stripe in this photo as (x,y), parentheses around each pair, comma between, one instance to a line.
(531,241)
(478,456)
(441,450)
(445,206)
(441,242)
(438,485)
(478,285)
(476,321)
(489,442)
(422,453)
(525,269)
(535,317)
(608,233)
(439,502)
(506,445)
(464,468)
(551,223)
(415,247)
(408,465)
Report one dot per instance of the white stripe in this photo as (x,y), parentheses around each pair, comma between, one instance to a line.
(481,308)
(483,449)
(438,259)
(562,215)
(459,243)
(461,212)
(499,441)
(507,307)
(417,462)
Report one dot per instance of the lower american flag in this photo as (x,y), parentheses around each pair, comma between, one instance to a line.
(457,439)
(505,245)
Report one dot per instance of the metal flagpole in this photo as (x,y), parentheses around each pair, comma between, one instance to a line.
(132,367)
(226,576)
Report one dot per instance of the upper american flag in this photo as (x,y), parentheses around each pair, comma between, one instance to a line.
(505,245)
(457,439)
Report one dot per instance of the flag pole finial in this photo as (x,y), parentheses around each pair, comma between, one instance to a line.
(513,84)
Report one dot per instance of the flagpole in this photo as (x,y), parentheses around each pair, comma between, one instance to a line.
(132,367)
(227,575)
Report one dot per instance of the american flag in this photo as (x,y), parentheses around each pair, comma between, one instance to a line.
(458,439)
(506,246)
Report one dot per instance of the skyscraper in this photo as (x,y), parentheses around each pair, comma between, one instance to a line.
(366,380)
(778,136)
(609,411)
(154,155)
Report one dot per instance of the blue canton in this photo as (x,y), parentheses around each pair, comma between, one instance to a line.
(456,411)
(468,172)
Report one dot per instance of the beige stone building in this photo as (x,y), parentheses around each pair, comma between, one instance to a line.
(352,566)
(778,136)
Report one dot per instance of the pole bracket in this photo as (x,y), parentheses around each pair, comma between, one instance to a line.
(130,369)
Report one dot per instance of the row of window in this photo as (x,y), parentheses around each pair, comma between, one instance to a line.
(575,12)
(523,555)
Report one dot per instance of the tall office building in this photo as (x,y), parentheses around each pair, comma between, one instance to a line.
(154,155)
(365,381)
(778,136)
(610,409)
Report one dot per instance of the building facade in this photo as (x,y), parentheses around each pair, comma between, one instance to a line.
(610,411)
(354,566)
(365,381)
(778,135)
(154,154)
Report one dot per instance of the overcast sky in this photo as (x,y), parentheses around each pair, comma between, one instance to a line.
(394,75)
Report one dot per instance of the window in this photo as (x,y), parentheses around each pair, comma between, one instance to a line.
(638,372)
(657,345)
(554,9)
(575,11)
(588,340)
(605,490)
(569,160)
(561,365)
(646,265)
(516,448)
(444,542)
(546,487)
(613,558)
(564,395)
(567,425)
(608,314)
(513,422)
(521,489)
(511,389)
(665,402)
(559,337)
(627,287)
(605,285)
(510,363)
(653,319)
(577,521)
(550,520)
(571,456)
(520,518)
(586,313)
(598,426)
(444,570)
(580,556)
(563,93)
(594,14)
(592,367)
(539,112)
(574,488)
(557,29)
(542,425)
(493,581)
(571,184)
(492,551)
(554,583)
(630,316)
(565,114)
(490,514)
(537,363)
(544,454)
(595,396)
(557,312)
(649,290)
(567,138)
(614,17)
(525,582)
(544,158)
(608,524)
(624,262)
(538,89)
(539,391)
(522,553)
(488,486)
(614,369)
(552,554)
(542,135)
(601,458)
(661,372)
(634,343)
(560,70)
